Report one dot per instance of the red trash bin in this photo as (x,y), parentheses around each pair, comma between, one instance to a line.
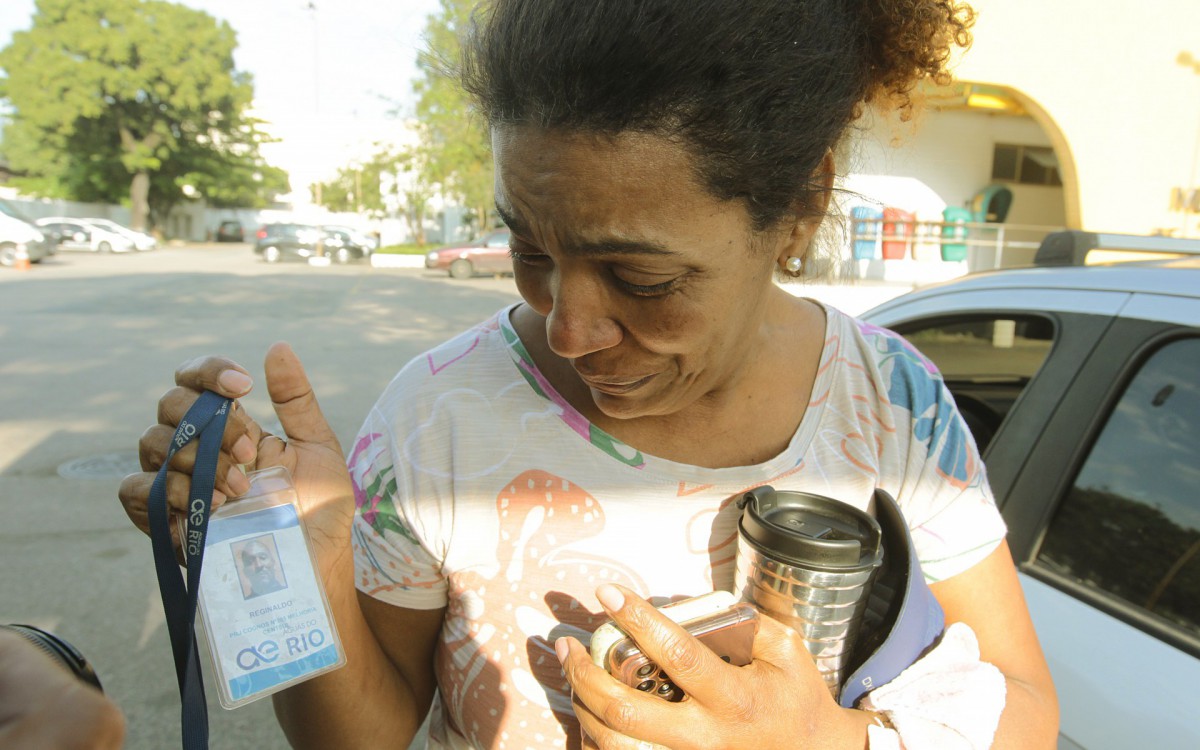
(897,231)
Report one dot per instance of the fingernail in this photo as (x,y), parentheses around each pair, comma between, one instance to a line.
(237,481)
(561,650)
(233,381)
(218,499)
(243,450)
(610,597)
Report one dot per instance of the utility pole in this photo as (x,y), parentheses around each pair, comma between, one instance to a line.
(358,187)
(316,55)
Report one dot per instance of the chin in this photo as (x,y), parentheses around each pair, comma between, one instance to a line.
(626,406)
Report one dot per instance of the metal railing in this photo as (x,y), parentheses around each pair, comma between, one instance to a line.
(980,244)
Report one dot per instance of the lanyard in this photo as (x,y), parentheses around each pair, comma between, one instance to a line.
(205,421)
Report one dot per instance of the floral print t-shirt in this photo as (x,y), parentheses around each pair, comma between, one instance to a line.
(481,490)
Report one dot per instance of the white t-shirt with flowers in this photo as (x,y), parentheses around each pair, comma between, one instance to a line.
(481,490)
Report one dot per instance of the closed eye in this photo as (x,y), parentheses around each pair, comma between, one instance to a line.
(526,258)
(649,290)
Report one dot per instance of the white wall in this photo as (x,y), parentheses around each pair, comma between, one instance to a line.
(951,152)
(36,208)
(1105,76)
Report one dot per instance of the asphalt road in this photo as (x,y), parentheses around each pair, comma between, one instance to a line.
(87,345)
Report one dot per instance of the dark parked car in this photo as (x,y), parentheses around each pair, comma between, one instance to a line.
(295,241)
(230,231)
(1081,385)
(488,254)
(345,244)
(289,241)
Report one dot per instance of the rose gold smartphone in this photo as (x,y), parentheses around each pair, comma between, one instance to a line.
(718,620)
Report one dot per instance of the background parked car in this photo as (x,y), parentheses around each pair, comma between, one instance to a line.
(487,254)
(17,234)
(1080,387)
(282,241)
(77,234)
(230,231)
(141,240)
(346,244)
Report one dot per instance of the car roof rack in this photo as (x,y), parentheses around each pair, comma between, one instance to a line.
(1071,247)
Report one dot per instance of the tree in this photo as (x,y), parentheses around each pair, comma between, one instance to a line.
(455,139)
(392,181)
(453,154)
(231,174)
(414,187)
(356,188)
(135,98)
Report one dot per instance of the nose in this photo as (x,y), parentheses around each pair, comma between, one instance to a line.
(581,319)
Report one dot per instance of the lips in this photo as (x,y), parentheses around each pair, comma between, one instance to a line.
(615,387)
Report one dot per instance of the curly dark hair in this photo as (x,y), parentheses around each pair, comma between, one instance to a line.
(757,90)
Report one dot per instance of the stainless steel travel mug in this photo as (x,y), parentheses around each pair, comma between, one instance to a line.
(809,561)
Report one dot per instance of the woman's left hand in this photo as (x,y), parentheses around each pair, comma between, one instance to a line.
(778,700)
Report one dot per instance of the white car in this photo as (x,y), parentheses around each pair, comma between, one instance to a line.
(1081,385)
(20,236)
(78,234)
(141,240)
(17,237)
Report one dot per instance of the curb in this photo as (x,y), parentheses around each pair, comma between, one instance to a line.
(395,260)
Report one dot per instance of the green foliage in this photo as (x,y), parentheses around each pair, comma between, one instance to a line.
(356,188)
(135,99)
(455,140)
(391,181)
(452,155)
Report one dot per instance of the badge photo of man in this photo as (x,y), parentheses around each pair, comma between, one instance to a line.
(258,566)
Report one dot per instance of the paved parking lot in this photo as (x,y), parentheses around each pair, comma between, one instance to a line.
(87,345)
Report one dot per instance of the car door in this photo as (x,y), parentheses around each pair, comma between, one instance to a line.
(1104,521)
(74,236)
(1008,356)
(1124,676)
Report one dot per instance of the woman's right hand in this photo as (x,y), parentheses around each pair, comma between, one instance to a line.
(309,449)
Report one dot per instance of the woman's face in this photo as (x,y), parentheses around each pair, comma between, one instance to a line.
(657,293)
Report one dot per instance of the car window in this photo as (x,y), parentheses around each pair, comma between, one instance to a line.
(496,239)
(1129,527)
(11,211)
(986,360)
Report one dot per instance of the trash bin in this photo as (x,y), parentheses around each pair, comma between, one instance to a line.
(897,229)
(927,246)
(866,231)
(955,232)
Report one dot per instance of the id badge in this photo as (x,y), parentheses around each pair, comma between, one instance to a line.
(262,603)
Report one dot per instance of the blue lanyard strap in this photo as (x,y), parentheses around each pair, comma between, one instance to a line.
(204,422)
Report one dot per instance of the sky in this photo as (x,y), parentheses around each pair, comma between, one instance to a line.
(327,79)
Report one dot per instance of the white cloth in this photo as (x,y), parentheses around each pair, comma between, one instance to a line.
(947,700)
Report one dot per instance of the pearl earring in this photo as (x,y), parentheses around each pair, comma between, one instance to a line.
(794,265)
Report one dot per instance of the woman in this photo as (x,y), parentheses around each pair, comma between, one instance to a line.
(658,164)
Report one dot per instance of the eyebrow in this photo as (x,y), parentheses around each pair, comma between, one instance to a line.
(606,246)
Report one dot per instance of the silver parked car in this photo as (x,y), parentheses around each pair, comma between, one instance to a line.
(1081,384)
(141,240)
(79,234)
(20,236)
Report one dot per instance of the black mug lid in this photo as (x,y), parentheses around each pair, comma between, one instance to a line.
(800,528)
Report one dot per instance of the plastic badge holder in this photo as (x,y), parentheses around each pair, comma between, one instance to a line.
(262,602)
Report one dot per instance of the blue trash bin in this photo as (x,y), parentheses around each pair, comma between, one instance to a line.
(867,221)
